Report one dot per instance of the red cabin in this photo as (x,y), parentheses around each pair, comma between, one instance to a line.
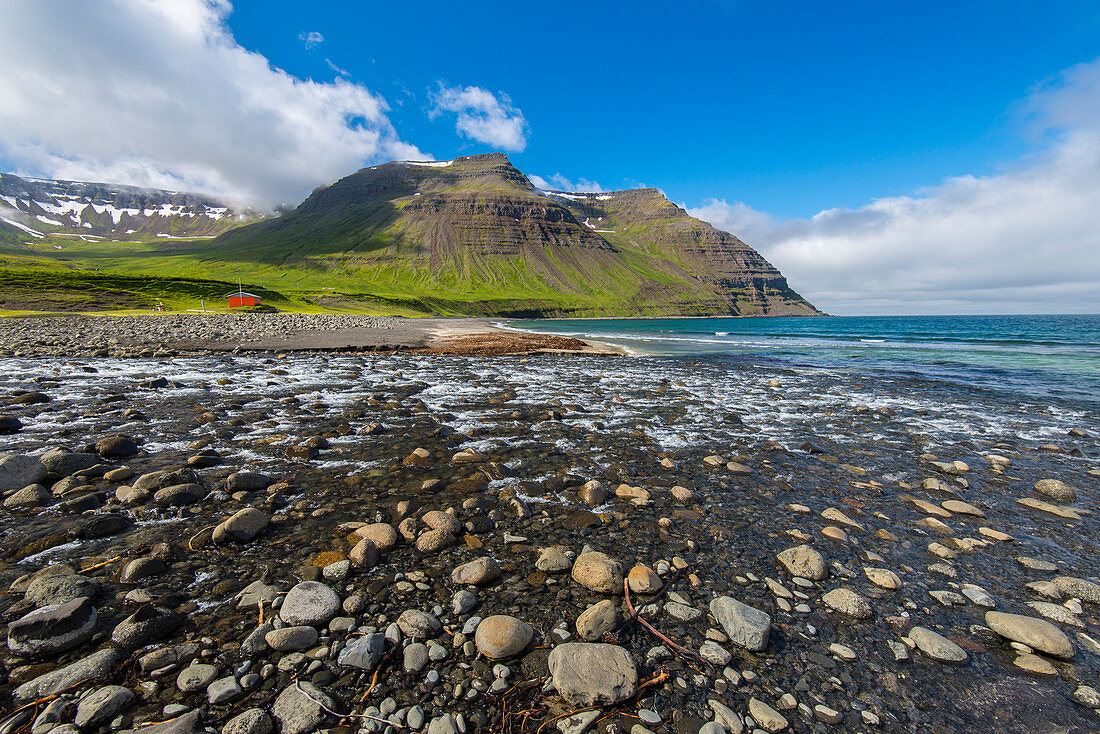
(240,299)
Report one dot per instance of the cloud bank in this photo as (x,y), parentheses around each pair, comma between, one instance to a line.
(482,116)
(1023,241)
(558,182)
(159,93)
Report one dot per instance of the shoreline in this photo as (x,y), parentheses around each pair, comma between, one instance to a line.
(149,335)
(195,502)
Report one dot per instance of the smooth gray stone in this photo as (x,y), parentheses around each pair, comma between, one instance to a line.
(102,706)
(364,652)
(53,628)
(297,709)
(94,666)
(746,626)
(309,603)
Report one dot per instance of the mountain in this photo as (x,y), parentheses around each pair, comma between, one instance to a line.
(32,208)
(473,235)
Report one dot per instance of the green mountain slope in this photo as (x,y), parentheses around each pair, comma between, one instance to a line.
(473,235)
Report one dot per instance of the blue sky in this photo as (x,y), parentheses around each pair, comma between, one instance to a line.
(887,157)
(793,107)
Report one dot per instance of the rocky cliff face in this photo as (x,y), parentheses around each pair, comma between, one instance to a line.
(476,229)
(37,208)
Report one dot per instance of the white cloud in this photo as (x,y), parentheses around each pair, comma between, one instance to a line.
(558,182)
(1026,240)
(483,116)
(311,39)
(159,93)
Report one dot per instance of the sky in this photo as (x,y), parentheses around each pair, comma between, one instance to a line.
(888,158)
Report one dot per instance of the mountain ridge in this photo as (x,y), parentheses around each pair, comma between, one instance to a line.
(38,208)
(476,228)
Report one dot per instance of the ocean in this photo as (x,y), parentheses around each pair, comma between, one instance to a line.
(1037,357)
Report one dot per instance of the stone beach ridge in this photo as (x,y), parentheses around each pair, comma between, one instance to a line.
(171,334)
(291,541)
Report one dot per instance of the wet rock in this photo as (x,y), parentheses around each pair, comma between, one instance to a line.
(382,534)
(34,495)
(501,636)
(300,708)
(552,560)
(116,447)
(714,653)
(188,723)
(20,471)
(434,541)
(768,718)
(592,674)
(725,718)
(102,706)
(364,652)
(364,555)
(148,624)
(243,526)
(1035,664)
(936,646)
(1056,489)
(166,478)
(223,690)
(593,493)
(63,463)
(643,580)
(883,578)
(100,526)
(60,588)
(593,623)
(847,602)
(419,625)
(745,626)
(1080,588)
(1035,633)
(804,561)
(246,481)
(437,520)
(9,424)
(178,495)
(289,639)
(420,457)
(309,603)
(481,571)
(415,657)
(598,572)
(94,666)
(463,602)
(252,721)
(196,677)
(140,569)
(53,629)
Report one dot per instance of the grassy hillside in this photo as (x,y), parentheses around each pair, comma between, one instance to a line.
(473,237)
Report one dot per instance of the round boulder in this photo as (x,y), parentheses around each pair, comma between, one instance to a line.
(847,602)
(804,561)
(382,533)
(598,572)
(1031,631)
(480,571)
(500,636)
(1056,489)
(309,603)
(593,674)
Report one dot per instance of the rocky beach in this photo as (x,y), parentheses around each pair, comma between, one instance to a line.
(254,526)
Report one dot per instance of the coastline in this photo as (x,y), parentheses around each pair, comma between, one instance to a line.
(420,497)
(165,334)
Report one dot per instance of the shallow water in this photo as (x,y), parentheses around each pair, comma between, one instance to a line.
(548,418)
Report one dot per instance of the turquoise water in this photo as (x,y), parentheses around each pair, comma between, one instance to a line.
(1035,356)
